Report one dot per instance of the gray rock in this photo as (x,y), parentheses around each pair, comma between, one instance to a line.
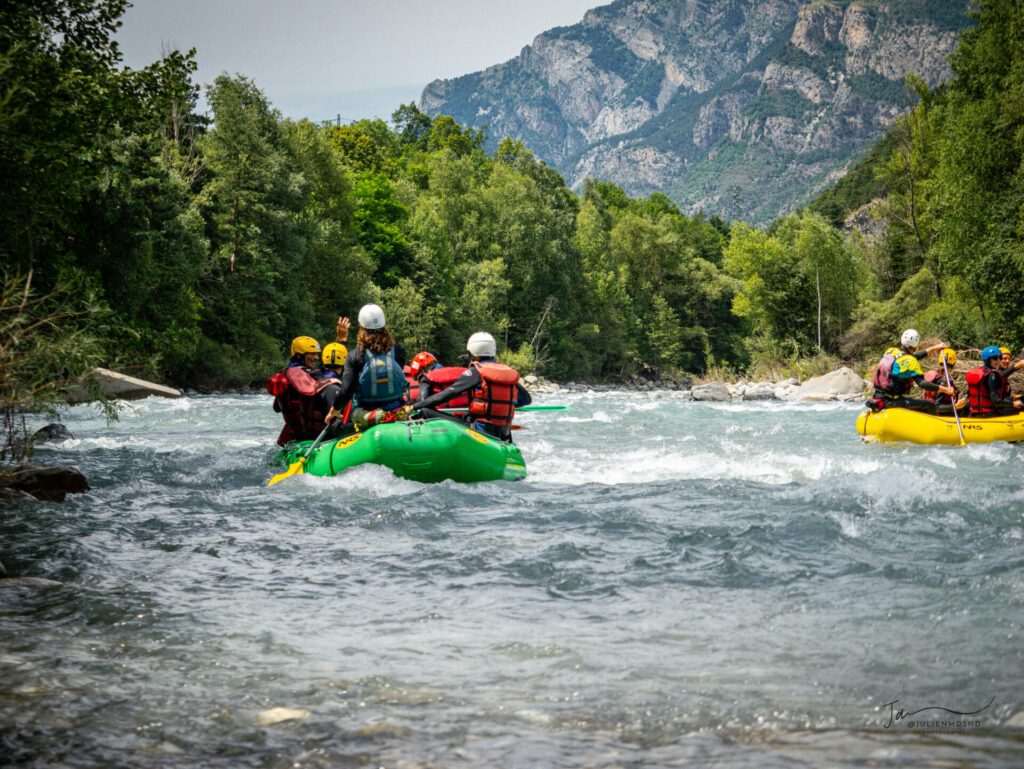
(759,394)
(46,482)
(792,382)
(52,432)
(713,391)
(531,379)
(28,582)
(842,381)
(813,396)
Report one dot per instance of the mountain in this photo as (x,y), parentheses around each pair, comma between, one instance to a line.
(745,108)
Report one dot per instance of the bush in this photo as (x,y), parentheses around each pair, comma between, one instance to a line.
(45,340)
(523,360)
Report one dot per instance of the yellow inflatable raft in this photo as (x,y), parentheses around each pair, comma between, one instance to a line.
(915,427)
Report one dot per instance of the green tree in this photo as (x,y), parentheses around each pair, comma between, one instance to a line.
(146,246)
(252,291)
(829,264)
(379,219)
(411,126)
(775,296)
(338,272)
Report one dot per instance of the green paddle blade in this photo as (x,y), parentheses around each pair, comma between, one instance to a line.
(520,408)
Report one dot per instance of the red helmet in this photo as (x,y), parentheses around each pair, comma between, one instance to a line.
(422,362)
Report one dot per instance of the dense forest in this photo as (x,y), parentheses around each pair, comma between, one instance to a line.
(191,247)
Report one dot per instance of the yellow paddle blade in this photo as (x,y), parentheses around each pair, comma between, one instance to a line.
(295,468)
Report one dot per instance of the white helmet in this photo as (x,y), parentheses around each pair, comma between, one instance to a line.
(482,345)
(371,317)
(910,338)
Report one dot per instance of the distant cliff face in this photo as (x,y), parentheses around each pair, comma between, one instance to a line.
(742,107)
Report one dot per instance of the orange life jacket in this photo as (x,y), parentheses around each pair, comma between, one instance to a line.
(494,400)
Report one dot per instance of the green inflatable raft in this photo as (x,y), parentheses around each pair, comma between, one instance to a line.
(427,451)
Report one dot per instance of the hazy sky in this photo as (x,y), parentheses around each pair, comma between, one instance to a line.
(319,58)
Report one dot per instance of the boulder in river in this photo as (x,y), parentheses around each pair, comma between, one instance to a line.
(843,383)
(51,432)
(713,391)
(759,394)
(49,483)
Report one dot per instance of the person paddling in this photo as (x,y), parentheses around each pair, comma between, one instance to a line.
(988,390)
(373,373)
(943,403)
(303,392)
(422,363)
(900,369)
(493,390)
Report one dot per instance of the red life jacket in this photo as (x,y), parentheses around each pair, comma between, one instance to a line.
(935,377)
(495,400)
(443,378)
(295,390)
(977,392)
(412,391)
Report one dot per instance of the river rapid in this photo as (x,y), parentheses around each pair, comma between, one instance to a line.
(675,583)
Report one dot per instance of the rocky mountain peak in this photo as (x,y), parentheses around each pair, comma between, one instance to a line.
(744,108)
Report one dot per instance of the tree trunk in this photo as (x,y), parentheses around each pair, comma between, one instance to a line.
(817,281)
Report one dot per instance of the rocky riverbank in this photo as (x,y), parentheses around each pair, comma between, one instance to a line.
(843,384)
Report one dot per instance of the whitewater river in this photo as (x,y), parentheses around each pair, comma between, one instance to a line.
(674,583)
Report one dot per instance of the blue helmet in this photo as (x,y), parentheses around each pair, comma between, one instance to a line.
(990,352)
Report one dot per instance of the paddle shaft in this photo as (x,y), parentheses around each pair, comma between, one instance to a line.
(296,467)
(949,383)
(316,443)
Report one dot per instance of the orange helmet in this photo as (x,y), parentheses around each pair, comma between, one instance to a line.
(422,362)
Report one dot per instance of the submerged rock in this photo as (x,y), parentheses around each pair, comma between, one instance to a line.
(280,715)
(52,432)
(8,582)
(49,483)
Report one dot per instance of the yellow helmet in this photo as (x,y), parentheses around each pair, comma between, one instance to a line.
(303,344)
(1004,350)
(335,354)
(948,356)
